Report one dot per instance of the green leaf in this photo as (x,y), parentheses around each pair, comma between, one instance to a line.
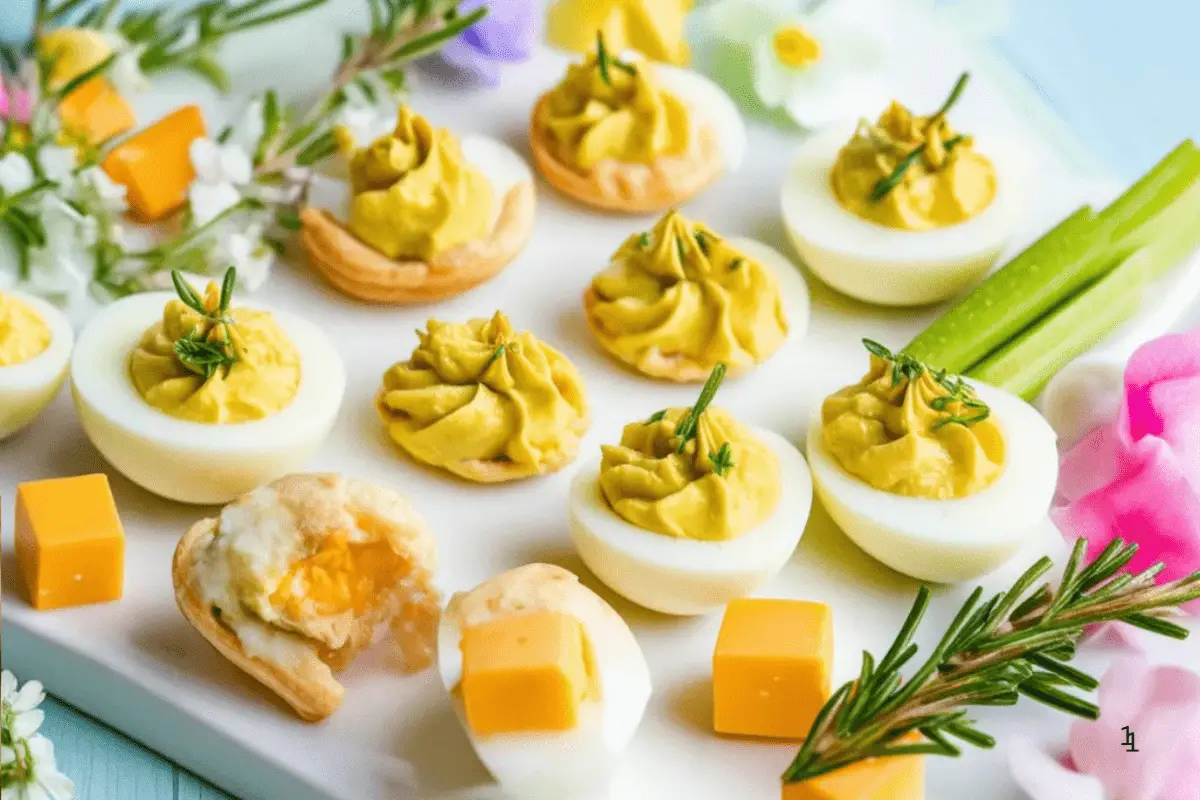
(275,16)
(227,286)
(657,416)
(319,149)
(687,428)
(288,219)
(84,77)
(187,294)
(722,462)
(208,69)
(424,45)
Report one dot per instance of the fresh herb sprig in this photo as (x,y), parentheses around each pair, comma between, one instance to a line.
(722,460)
(885,185)
(688,427)
(1016,643)
(958,391)
(206,350)
(605,61)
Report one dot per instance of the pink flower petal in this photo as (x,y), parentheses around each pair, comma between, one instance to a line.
(1043,778)
(1116,635)
(1161,706)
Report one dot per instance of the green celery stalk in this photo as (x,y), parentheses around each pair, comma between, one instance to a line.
(1155,191)
(1173,230)
(1028,362)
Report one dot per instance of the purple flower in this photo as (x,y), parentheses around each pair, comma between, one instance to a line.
(507,35)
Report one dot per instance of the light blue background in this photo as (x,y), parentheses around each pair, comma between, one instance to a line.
(1124,77)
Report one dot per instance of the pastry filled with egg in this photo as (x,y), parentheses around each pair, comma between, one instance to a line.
(691,509)
(547,679)
(937,478)
(35,350)
(678,299)
(199,399)
(622,134)
(424,215)
(485,402)
(291,581)
(905,210)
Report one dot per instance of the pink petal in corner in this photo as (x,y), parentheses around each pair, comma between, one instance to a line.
(1043,778)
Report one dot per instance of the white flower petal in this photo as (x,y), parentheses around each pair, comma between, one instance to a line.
(205,155)
(57,163)
(236,165)
(209,200)
(16,175)
(743,21)
(1043,778)
(29,697)
(107,193)
(8,681)
(249,128)
(26,723)
(772,79)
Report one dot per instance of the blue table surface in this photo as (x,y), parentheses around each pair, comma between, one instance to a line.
(1120,76)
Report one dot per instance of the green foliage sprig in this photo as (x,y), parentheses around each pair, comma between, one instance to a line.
(958,392)
(885,185)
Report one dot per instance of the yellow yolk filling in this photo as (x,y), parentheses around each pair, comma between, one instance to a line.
(341,576)
(23,333)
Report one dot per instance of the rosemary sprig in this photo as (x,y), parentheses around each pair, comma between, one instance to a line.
(689,425)
(1016,643)
(721,460)
(958,391)
(207,348)
(605,61)
(203,356)
(885,185)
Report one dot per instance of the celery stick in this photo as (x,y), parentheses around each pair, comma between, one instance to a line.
(1010,300)
(1174,229)
(1026,364)
(1155,190)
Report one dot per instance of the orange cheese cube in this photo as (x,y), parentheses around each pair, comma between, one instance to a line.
(771,667)
(524,673)
(70,544)
(96,111)
(154,165)
(895,778)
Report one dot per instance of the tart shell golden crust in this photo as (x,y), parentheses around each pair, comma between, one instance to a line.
(629,188)
(361,272)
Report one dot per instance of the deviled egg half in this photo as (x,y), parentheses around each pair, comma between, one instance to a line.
(547,679)
(902,211)
(623,134)
(938,479)
(678,299)
(35,349)
(198,400)
(423,216)
(692,509)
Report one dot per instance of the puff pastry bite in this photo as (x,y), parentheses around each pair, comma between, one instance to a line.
(485,402)
(679,299)
(291,581)
(423,216)
(622,134)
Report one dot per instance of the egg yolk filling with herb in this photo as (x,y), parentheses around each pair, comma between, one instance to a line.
(721,484)
(482,392)
(908,430)
(414,193)
(607,109)
(24,335)
(945,181)
(221,367)
(682,291)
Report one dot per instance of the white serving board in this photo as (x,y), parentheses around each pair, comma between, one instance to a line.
(137,665)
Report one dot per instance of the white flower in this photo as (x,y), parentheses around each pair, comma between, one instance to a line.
(818,67)
(58,163)
(220,170)
(62,269)
(363,119)
(19,706)
(98,191)
(247,252)
(41,779)
(126,72)
(248,130)
(16,173)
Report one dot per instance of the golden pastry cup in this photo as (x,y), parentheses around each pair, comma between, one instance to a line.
(362,272)
(481,471)
(629,188)
(657,364)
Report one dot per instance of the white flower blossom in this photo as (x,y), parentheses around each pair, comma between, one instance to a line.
(58,163)
(220,170)
(16,173)
(363,119)
(126,72)
(62,268)
(42,780)
(247,252)
(19,706)
(98,191)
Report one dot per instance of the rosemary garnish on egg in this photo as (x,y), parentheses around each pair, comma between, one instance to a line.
(688,426)
(209,347)
(885,185)
(1016,643)
(604,61)
(958,391)
(722,460)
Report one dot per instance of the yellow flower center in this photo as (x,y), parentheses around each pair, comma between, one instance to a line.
(795,47)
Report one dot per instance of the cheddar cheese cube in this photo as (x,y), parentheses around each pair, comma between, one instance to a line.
(96,111)
(155,165)
(894,778)
(524,673)
(771,667)
(69,541)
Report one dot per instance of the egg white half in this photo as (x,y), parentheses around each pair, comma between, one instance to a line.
(500,164)
(567,765)
(688,576)
(888,266)
(27,388)
(195,462)
(947,541)
(709,100)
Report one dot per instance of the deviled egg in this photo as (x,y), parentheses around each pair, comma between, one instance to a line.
(423,216)
(936,478)
(903,211)
(678,299)
(692,509)
(198,400)
(35,349)
(547,679)
(623,134)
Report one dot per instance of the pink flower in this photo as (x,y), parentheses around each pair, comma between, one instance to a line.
(1160,706)
(15,104)
(1138,478)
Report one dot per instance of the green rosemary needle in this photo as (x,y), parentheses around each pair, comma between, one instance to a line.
(958,391)
(202,356)
(200,351)
(721,460)
(689,425)
(605,61)
(1016,643)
